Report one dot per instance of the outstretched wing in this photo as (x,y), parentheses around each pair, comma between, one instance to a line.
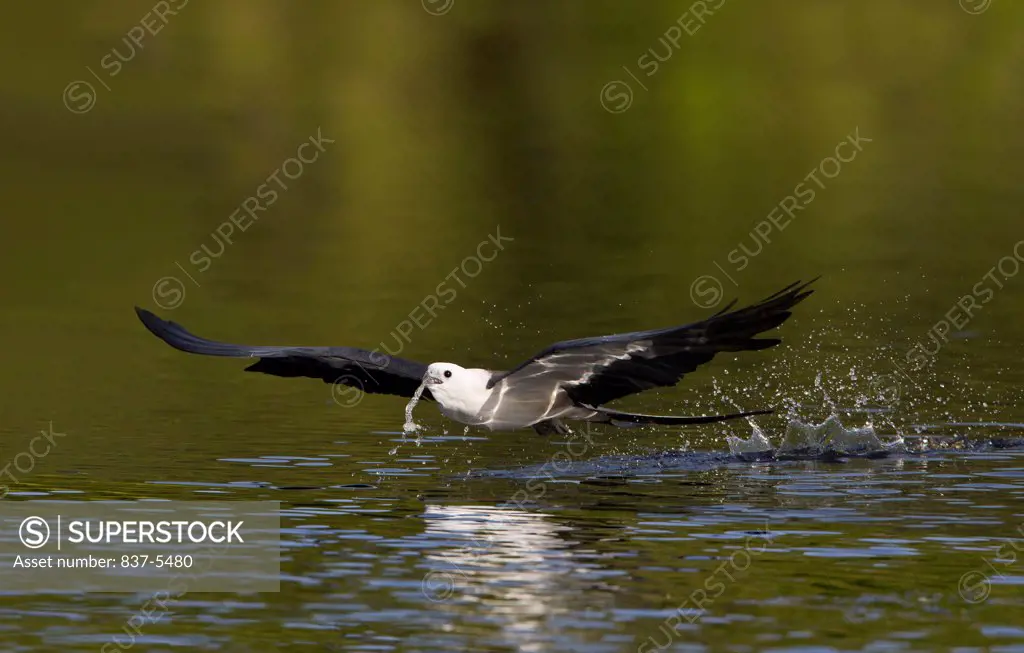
(371,372)
(594,371)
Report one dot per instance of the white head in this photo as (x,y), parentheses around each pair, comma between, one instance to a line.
(455,386)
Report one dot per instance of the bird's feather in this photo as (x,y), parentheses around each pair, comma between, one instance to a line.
(371,372)
(594,371)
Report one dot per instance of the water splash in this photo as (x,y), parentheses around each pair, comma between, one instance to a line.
(410,426)
(828,437)
(756,444)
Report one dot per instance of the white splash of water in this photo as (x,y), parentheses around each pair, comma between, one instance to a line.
(814,439)
(757,443)
(830,435)
(410,426)
(801,436)
(851,440)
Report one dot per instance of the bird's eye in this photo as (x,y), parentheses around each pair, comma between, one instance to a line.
(447,374)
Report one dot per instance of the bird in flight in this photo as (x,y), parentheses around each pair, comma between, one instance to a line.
(568,381)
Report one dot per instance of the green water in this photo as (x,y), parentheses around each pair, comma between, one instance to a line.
(437,132)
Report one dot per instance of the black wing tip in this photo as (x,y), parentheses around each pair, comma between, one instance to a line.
(180,338)
(169,332)
(151,321)
(793,294)
(798,290)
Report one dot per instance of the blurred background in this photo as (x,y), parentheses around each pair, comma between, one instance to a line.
(631,152)
(450,121)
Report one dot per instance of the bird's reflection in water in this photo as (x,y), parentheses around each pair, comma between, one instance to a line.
(521,567)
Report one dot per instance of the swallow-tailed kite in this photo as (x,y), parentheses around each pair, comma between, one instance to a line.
(570,380)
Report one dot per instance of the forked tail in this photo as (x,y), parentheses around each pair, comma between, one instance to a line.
(621,419)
